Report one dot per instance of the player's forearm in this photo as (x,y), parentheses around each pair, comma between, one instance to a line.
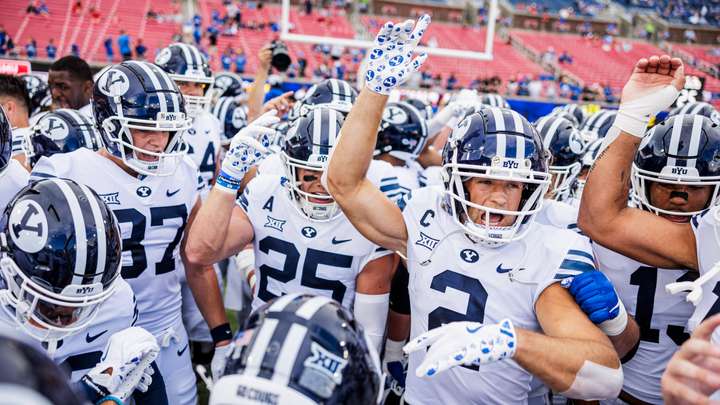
(256,95)
(203,283)
(352,155)
(607,187)
(208,232)
(430,157)
(557,361)
(627,340)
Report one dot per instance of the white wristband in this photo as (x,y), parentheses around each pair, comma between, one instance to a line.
(633,116)
(617,325)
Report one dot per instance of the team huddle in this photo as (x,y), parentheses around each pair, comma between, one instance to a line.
(373,252)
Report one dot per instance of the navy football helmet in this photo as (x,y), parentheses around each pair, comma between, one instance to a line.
(39,93)
(684,149)
(322,357)
(332,93)
(307,146)
(232,116)
(185,64)
(566,146)
(5,140)
(141,96)
(61,131)
(403,132)
(591,153)
(30,377)
(495,144)
(426,110)
(698,107)
(59,257)
(575,111)
(598,125)
(228,84)
(494,100)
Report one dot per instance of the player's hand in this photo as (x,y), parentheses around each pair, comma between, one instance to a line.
(217,365)
(282,104)
(653,86)
(265,57)
(693,373)
(390,60)
(459,343)
(247,147)
(597,297)
(125,364)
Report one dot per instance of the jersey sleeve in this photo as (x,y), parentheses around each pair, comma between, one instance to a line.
(576,260)
(45,168)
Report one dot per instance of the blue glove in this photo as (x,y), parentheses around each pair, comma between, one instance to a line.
(597,297)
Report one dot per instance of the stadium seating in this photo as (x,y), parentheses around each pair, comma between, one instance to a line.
(701,53)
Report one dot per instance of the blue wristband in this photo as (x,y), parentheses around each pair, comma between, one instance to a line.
(110,398)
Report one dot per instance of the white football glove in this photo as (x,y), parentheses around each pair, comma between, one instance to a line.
(390,61)
(247,147)
(459,343)
(219,360)
(125,364)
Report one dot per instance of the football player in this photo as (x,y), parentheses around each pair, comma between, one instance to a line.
(697,108)
(597,125)
(13,175)
(60,131)
(473,251)
(333,93)
(575,110)
(152,188)
(39,93)
(59,262)
(16,103)
(302,240)
(71,84)
(674,177)
(323,357)
(232,117)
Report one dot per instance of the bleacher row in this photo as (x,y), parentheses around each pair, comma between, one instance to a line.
(591,63)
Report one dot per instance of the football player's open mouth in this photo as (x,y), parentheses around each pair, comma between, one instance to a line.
(496,219)
(321,200)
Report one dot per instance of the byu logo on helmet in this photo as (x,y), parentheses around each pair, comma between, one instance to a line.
(114,83)
(395,115)
(326,363)
(469,255)
(29,226)
(163,57)
(55,128)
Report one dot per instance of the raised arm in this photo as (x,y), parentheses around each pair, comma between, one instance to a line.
(390,64)
(604,214)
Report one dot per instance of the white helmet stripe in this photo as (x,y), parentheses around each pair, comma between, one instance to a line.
(261,339)
(551,133)
(499,119)
(317,135)
(500,146)
(695,140)
(78,220)
(675,140)
(187,53)
(288,354)
(197,56)
(101,237)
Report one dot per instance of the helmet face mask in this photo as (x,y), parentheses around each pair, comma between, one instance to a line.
(683,150)
(185,64)
(480,147)
(564,180)
(194,105)
(139,95)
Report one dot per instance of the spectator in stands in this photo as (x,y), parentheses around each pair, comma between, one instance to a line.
(690,36)
(649,30)
(226,58)
(608,93)
(109,53)
(451,82)
(75,50)
(31,48)
(51,49)
(3,36)
(140,49)
(302,64)
(425,79)
(197,35)
(94,14)
(43,8)
(10,47)
(565,58)
(437,81)
(512,86)
(76,7)
(308,7)
(197,20)
(240,62)
(549,57)
(32,8)
(70,81)
(124,45)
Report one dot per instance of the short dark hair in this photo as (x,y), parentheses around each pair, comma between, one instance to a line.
(14,86)
(76,67)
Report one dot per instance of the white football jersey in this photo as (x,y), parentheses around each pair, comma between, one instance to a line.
(296,254)
(82,351)
(558,214)
(19,136)
(152,212)
(403,180)
(12,179)
(451,278)
(203,140)
(662,318)
(706,227)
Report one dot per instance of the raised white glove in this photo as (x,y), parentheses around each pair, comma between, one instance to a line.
(247,147)
(219,360)
(652,87)
(125,364)
(459,343)
(390,61)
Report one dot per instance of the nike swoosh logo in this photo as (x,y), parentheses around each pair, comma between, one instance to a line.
(91,339)
(473,330)
(170,194)
(181,351)
(339,241)
(501,270)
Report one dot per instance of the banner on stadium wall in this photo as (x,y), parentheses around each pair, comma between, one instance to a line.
(14,67)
